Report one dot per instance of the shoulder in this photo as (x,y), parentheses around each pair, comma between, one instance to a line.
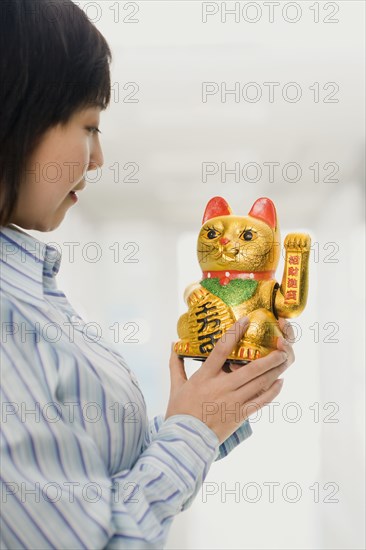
(24,355)
(19,334)
(6,306)
(267,290)
(267,284)
(14,321)
(14,310)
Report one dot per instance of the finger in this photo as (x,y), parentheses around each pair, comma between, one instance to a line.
(287,330)
(177,371)
(251,407)
(256,368)
(225,346)
(284,345)
(256,387)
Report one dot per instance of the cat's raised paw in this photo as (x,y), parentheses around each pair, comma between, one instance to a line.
(297,242)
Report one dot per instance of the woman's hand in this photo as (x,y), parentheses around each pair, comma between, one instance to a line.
(224,400)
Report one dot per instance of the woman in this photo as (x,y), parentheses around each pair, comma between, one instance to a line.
(82,467)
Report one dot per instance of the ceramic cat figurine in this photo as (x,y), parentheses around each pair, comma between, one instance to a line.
(238,256)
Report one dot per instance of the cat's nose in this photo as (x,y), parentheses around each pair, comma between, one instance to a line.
(224,240)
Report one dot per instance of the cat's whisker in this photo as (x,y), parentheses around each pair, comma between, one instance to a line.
(203,255)
(207,250)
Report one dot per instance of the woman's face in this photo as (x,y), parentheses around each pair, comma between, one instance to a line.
(56,170)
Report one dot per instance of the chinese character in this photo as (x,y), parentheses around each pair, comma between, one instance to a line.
(205,309)
(208,346)
(207,320)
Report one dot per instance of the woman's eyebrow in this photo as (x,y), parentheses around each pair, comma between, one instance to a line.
(92,107)
(97,105)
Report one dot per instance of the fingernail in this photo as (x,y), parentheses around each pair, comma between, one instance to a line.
(243,320)
(281,381)
(283,340)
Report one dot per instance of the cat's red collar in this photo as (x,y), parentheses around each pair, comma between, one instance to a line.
(226,276)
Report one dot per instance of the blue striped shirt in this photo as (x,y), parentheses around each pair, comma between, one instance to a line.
(81,465)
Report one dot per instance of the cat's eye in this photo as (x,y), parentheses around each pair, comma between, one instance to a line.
(248,235)
(212,234)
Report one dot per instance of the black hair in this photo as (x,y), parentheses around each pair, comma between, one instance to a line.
(53,63)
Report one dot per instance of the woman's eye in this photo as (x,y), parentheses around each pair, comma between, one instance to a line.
(212,234)
(247,235)
(93,129)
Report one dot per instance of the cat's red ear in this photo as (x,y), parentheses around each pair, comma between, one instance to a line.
(264,210)
(217,206)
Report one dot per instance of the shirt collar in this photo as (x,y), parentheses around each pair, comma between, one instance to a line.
(28,266)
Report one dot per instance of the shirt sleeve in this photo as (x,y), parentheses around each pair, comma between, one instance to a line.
(242,433)
(56,490)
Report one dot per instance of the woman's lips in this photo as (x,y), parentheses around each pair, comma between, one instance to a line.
(74,196)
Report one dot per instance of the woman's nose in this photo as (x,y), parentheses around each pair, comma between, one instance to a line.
(96,158)
(224,240)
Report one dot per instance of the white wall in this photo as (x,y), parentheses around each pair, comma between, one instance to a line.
(169,132)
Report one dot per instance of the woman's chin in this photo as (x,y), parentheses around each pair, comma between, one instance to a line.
(45,227)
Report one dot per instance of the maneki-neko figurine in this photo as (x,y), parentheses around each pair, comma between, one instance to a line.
(238,256)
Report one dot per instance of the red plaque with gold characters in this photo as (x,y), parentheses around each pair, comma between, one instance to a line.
(238,256)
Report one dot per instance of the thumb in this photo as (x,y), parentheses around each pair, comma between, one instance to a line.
(177,371)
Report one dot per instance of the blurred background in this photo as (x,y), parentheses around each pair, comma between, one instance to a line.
(242,100)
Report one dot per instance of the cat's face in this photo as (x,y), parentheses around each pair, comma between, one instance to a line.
(239,243)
